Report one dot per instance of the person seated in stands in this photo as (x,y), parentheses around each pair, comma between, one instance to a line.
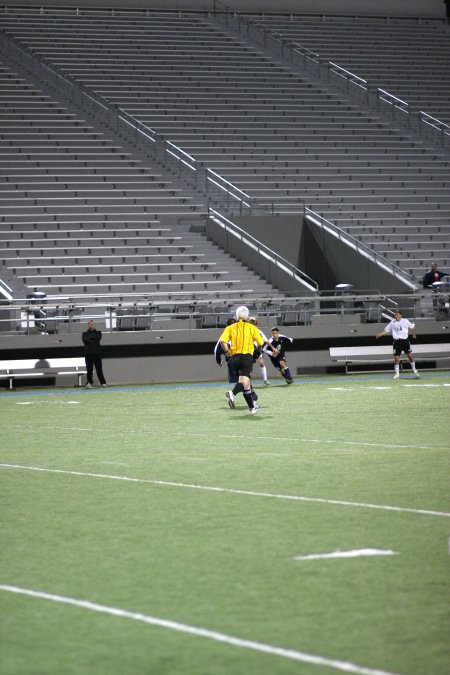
(433,275)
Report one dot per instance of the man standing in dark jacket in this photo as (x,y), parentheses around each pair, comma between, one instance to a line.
(92,354)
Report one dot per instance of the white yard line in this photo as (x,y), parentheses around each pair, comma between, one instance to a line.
(294,439)
(292,654)
(53,402)
(209,488)
(356,553)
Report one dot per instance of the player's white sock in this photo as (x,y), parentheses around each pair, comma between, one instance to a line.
(413,365)
(397,369)
(264,373)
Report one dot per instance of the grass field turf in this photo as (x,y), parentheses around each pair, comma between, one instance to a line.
(207,531)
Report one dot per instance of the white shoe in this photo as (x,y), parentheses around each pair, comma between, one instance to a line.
(396,376)
(231,398)
(254,410)
(266,382)
(104,385)
(416,374)
(88,386)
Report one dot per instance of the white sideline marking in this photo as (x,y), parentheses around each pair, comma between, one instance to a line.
(51,402)
(357,553)
(359,388)
(199,632)
(422,384)
(234,491)
(412,384)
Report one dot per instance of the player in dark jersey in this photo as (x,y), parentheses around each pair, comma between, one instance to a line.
(279,341)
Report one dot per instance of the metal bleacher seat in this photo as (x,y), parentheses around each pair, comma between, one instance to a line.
(125,319)
(210,320)
(142,318)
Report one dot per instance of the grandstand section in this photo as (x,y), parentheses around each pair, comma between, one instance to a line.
(277,135)
(408,57)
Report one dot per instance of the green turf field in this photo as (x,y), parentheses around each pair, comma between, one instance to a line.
(152,530)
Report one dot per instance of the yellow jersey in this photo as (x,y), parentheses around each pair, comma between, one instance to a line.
(241,336)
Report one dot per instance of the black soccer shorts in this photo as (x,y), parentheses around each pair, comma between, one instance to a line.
(401,346)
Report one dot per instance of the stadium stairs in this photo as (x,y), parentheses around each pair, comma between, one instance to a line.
(82,215)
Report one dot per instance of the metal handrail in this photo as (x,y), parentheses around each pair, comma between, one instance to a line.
(230,189)
(26,316)
(434,123)
(5,291)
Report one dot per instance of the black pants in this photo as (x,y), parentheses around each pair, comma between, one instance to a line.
(91,361)
(241,364)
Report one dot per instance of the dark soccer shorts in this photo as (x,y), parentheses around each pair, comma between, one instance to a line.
(257,353)
(401,346)
(242,364)
(276,360)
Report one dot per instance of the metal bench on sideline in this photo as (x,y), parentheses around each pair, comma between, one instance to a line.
(384,354)
(28,368)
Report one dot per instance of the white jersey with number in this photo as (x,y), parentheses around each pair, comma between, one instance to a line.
(399,329)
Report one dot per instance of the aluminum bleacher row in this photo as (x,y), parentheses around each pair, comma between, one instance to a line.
(261,125)
(78,214)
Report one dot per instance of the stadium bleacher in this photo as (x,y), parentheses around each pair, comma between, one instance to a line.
(80,214)
(409,57)
(278,136)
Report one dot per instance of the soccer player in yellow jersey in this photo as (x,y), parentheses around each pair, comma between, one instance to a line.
(238,340)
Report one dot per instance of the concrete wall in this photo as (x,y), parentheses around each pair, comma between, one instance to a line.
(314,251)
(345,265)
(281,234)
(187,356)
(423,8)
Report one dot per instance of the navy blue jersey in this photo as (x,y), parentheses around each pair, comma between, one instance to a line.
(281,343)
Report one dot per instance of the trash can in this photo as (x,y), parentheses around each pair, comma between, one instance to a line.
(38,314)
(344,305)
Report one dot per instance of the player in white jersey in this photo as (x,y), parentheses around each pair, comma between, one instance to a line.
(258,353)
(399,329)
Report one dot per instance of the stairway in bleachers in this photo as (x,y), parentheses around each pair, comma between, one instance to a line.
(80,215)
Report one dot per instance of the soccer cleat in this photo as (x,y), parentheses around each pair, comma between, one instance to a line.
(416,374)
(266,382)
(104,385)
(89,386)
(289,381)
(254,410)
(231,398)
(396,376)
